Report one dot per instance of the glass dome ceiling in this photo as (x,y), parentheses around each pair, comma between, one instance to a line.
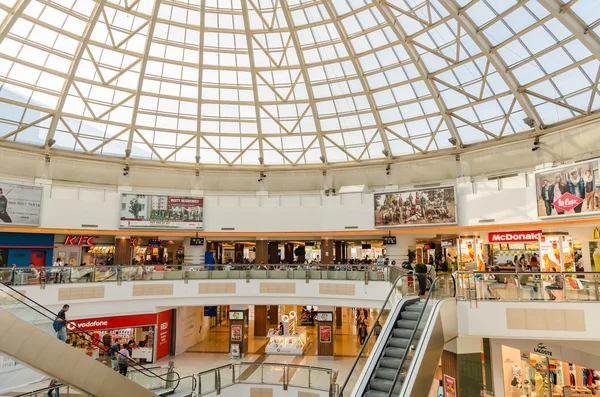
(291,82)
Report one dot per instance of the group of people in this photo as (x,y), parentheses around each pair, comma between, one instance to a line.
(362,321)
(556,281)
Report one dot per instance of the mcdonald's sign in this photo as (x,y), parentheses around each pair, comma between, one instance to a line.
(596,233)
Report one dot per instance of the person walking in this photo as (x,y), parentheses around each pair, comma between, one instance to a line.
(362,334)
(377,329)
(113,354)
(54,392)
(60,323)
(123,360)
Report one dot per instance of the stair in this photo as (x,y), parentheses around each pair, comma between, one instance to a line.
(396,348)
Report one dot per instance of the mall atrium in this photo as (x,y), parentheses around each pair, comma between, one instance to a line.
(290,198)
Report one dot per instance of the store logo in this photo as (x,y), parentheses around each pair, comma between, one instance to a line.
(134,241)
(566,202)
(164,326)
(89,324)
(514,237)
(543,350)
(596,233)
(80,240)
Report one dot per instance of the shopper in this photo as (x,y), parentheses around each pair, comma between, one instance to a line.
(57,270)
(113,353)
(60,324)
(123,360)
(377,329)
(362,334)
(556,285)
(106,342)
(500,283)
(55,383)
(524,279)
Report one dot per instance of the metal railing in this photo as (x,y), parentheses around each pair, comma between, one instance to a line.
(528,286)
(406,285)
(276,374)
(119,273)
(41,317)
(65,390)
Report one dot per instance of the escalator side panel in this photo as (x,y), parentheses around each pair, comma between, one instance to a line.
(45,353)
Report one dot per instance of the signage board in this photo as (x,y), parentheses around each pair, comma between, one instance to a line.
(446,243)
(550,253)
(115,322)
(20,204)
(389,240)
(80,240)
(210,311)
(325,316)
(139,211)
(449,386)
(325,334)
(514,237)
(567,190)
(197,241)
(431,206)
(163,334)
(236,333)
(236,315)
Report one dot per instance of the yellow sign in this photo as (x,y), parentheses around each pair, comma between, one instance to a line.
(596,233)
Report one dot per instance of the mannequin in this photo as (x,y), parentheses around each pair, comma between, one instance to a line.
(539,385)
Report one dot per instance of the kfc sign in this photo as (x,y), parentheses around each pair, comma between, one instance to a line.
(514,237)
(81,240)
(566,202)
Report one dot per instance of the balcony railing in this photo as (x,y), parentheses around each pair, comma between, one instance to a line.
(528,286)
(100,274)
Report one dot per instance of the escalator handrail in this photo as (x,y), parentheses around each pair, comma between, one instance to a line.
(414,332)
(98,341)
(364,345)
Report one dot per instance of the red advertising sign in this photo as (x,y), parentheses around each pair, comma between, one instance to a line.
(449,386)
(566,202)
(514,237)
(101,323)
(81,240)
(163,334)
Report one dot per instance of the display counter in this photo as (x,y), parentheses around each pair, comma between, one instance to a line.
(286,344)
(142,352)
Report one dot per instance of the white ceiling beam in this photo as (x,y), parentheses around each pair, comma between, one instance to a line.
(253,78)
(142,72)
(412,52)
(497,62)
(200,78)
(13,16)
(335,19)
(311,99)
(566,16)
(81,48)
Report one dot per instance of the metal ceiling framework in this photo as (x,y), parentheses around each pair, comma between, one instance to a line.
(232,83)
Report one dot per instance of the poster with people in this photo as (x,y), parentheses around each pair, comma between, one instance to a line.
(161,212)
(568,190)
(20,204)
(433,206)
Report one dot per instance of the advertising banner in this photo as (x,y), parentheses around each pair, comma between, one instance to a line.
(432,206)
(466,248)
(13,374)
(568,253)
(568,190)
(325,334)
(102,323)
(140,211)
(20,204)
(449,386)
(236,333)
(163,334)
(550,247)
(479,251)
(514,237)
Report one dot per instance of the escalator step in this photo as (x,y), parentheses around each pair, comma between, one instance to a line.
(390,362)
(402,333)
(417,307)
(384,385)
(375,393)
(406,315)
(394,352)
(388,374)
(406,324)
(398,342)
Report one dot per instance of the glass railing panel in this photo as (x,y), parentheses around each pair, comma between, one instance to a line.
(298,376)
(149,380)
(227,376)
(320,379)
(207,383)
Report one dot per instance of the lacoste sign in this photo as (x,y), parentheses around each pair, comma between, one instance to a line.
(543,350)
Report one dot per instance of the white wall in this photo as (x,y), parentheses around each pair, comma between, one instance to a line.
(509,200)
(191,327)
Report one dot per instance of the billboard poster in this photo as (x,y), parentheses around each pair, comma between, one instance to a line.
(550,247)
(13,375)
(163,332)
(431,206)
(466,248)
(449,386)
(568,190)
(20,204)
(325,334)
(236,333)
(568,253)
(161,212)
(479,255)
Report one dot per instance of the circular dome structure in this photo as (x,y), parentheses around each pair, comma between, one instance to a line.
(289,82)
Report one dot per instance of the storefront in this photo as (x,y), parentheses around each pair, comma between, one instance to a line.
(538,369)
(288,338)
(150,333)
(24,249)
(158,251)
(90,250)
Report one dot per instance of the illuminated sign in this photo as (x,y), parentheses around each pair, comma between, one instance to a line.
(389,240)
(514,237)
(196,241)
(80,240)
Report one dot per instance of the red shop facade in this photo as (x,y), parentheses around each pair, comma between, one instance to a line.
(151,333)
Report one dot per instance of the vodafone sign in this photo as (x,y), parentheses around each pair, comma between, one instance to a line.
(102,323)
(514,237)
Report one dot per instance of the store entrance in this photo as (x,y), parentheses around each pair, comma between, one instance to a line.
(38,258)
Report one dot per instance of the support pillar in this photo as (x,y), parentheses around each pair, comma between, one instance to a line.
(326,251)
(238,256)
(338,317)
(461,360)
(122,251)
(289,252)
(193,254)
(274,315)
(399,252)
(273,253)
(262,252)
(261,326)
(325,332)
(338,251)
(238,329)
(213,249)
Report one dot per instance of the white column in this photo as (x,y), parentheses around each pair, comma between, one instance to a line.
(399,252)
(585,255)
(194,254)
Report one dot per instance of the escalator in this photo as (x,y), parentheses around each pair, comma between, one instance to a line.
(406,354)
(27,335)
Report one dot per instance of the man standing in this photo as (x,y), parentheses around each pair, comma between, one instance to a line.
(114,349)
(3,208)
(547,197)
(61,323)
(57,270)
